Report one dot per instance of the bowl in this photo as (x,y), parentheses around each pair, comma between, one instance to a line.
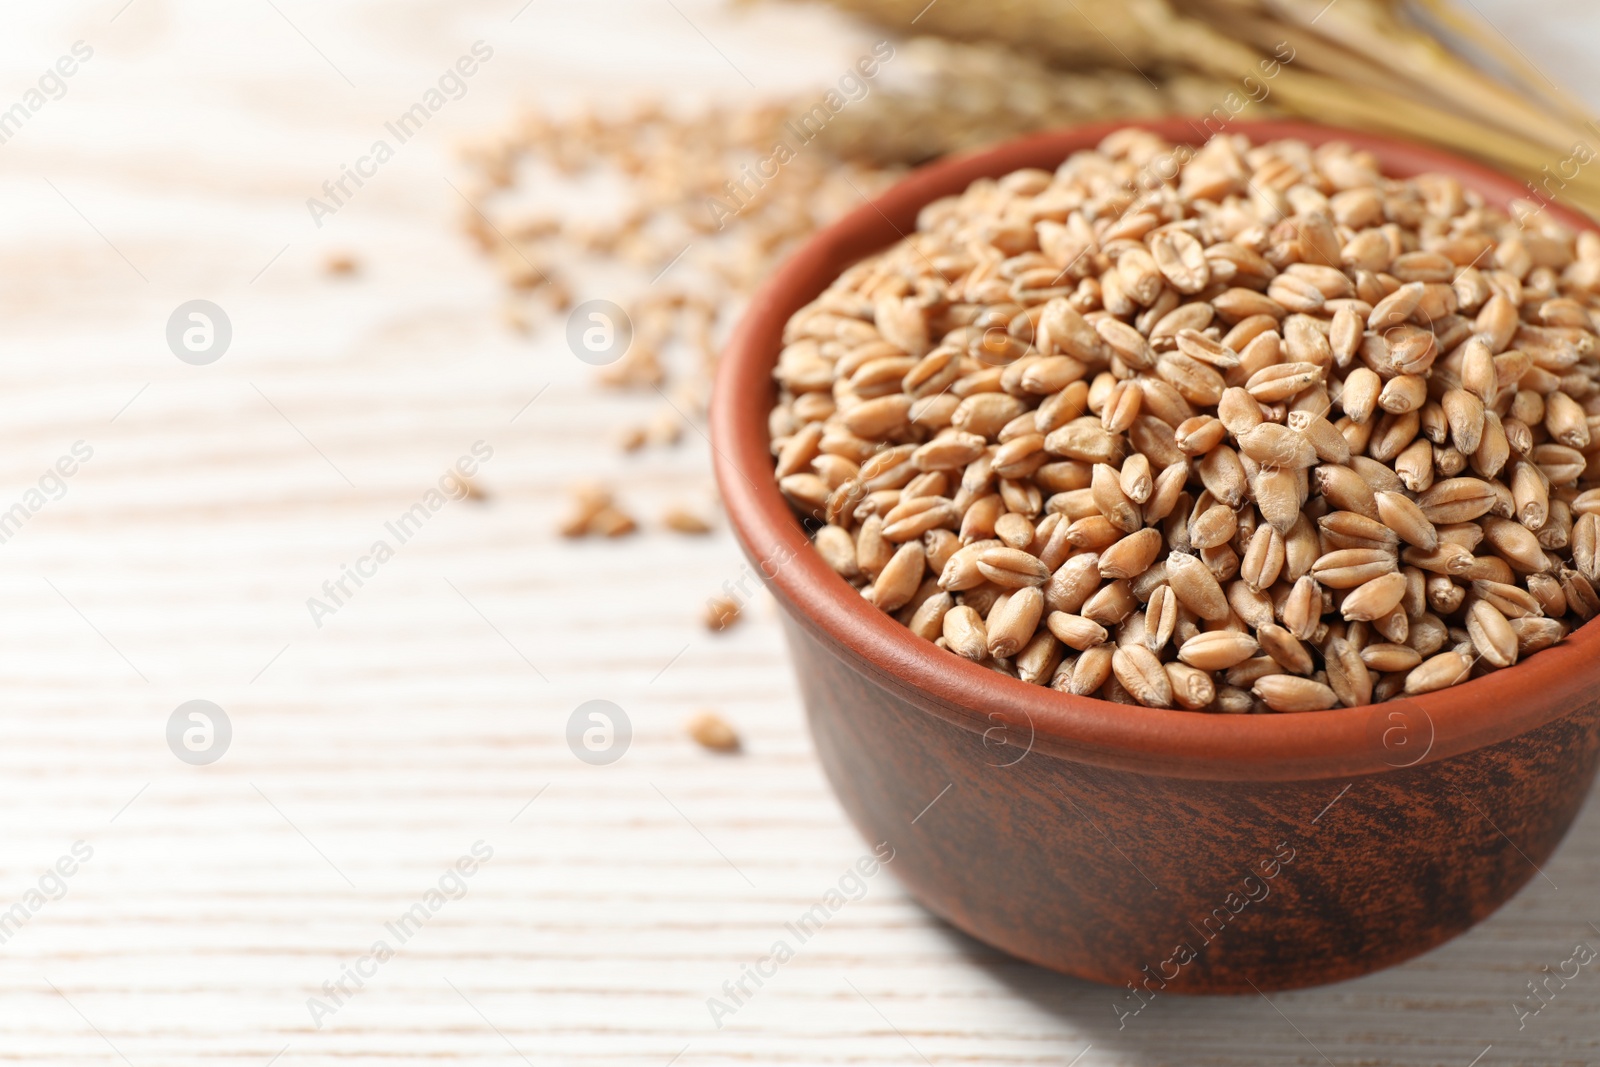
(1154,851)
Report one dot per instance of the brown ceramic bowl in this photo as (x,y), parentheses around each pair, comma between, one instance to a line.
(1153,850)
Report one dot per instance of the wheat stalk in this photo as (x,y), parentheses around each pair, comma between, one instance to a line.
(1367,64)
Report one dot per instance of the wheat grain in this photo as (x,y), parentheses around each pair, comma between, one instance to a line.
(1374,599)
(1011,568)
(712,731)
(1075,631)
(897,583)
(1218,650)
(1285,649)
(611,521)
(1143,676)
(1132,555)
(1112,603)
(721,613)
(1037,661)
(1439,672)
(1491,634)
(1287,692)
(1348,675)
(1012,622)
(964,632)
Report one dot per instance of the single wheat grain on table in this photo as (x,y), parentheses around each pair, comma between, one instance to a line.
(1242,428)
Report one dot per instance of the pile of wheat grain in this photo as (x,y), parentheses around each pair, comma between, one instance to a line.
(1248,428)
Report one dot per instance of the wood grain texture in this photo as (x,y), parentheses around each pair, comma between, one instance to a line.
(370,754)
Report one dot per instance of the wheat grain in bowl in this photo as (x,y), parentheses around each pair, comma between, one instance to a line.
(1240,428)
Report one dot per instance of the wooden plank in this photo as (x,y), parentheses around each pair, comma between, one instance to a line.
(429,712)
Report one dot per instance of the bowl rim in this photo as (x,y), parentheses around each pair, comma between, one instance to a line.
(1004,711)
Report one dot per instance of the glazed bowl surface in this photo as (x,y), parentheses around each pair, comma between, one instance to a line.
(1152,850)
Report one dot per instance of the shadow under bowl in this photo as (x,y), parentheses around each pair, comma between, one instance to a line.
(1147,849)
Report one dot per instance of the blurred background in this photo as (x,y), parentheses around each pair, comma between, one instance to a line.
(302,423)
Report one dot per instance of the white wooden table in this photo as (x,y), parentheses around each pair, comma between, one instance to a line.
(429,712)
